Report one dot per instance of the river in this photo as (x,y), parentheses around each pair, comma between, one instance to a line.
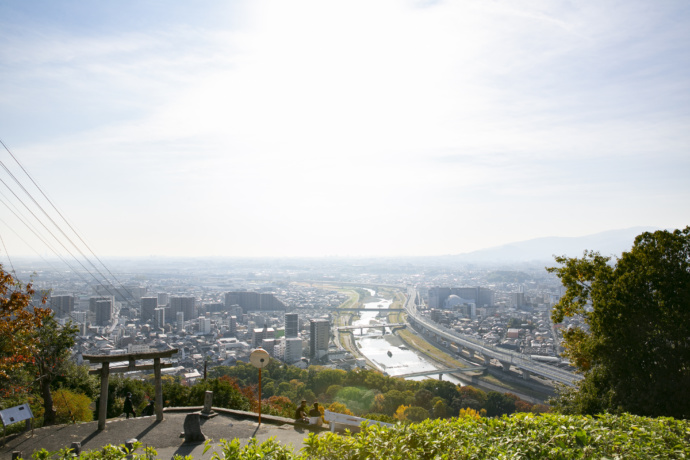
(376,347)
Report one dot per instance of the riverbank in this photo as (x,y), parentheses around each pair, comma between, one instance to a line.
(503,382)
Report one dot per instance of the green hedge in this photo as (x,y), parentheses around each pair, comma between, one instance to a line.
(520,436)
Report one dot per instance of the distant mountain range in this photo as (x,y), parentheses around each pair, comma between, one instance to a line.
(613,242)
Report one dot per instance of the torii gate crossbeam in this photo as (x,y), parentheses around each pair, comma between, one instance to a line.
(104,372)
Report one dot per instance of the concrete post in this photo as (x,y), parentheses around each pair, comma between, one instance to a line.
(506,366)
(208,402)
(159,388)
(525,374)
(103,404)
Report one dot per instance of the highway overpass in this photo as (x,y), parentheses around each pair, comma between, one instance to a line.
(506,357)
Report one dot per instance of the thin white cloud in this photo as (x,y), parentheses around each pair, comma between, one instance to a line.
(275,134)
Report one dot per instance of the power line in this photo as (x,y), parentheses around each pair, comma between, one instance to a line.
(8,255)
(64,219)
(51,233)
(59,273)
(38,187)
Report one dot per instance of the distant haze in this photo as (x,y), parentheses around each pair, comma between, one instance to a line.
(610,243)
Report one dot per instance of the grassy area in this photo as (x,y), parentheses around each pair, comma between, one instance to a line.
(422,346)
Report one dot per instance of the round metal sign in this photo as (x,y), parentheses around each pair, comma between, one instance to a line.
(259,358)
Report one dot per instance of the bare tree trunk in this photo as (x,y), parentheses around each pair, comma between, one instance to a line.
(50,412)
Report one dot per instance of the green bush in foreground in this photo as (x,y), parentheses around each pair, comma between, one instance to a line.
(527,436)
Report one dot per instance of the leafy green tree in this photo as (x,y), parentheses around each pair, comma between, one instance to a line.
(394,399)
(358,400)
(422,398)
(416,414)
(635,351)
(499,404)
(332,392)
(446,390)
(440,409)
(324,378)
(142,390)
(175,394)
(53,344)
(76,378)
(226,394)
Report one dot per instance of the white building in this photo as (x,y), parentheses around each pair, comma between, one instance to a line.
(204,325)
(293,350)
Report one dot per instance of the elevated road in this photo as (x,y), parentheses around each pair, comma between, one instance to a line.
(506,357)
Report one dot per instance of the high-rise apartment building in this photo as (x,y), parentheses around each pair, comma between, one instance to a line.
(186,305)
(79,316)
(104,312)
(252,301)
(232,326)
(93,300)
(159,318)
(163,299)
(291,325)
(293,350)
(148,307)
(62,305)
(319,338)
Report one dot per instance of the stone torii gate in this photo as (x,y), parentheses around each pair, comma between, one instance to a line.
(105,372)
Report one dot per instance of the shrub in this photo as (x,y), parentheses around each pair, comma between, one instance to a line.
(72,407)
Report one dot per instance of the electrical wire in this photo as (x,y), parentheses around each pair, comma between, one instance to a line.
(8,255)
(40,189)
(56,239)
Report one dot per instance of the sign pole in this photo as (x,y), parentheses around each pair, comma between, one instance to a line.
(259,396)
(259,359)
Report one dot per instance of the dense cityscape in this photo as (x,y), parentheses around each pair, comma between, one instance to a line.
(216,314)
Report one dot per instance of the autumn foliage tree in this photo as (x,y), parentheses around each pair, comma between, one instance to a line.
(19,321)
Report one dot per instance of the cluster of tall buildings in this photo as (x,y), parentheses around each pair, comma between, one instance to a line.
(289,348)
(170,314)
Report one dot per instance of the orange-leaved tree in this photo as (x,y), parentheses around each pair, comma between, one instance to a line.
(19,321)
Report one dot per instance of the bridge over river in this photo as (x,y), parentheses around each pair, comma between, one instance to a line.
(440,372)
(383,327)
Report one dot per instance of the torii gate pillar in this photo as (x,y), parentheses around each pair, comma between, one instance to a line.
(105,372)
(103,406)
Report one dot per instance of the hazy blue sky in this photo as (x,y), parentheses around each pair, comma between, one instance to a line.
(281,128)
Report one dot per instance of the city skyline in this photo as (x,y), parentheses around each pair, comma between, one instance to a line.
(265,129)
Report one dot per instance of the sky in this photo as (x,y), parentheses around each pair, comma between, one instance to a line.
(341,128)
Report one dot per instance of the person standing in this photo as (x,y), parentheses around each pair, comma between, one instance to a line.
(129,407)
